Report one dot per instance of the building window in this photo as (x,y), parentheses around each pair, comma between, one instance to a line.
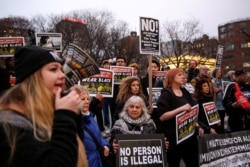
(222,29)
(229,66)
(230,27)
(228,56)
(246,54)
(243,25)
(245,45)
(229,46)
(246,64)
(223,36)
(231,34)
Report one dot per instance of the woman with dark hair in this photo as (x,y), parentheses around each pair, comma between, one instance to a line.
(175,99)
(202,94)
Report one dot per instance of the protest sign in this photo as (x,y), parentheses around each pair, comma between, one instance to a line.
(8,45)
(219,57)
(186,123)
(211,113)
(156,92)
(78,65)
(121,72)
(100,83)
(49,41)
(149,36)
(230,150)
(146,150)
(160,75)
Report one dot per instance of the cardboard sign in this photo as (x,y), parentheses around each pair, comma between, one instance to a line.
(141,150)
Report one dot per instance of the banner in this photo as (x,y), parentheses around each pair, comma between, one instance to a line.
(220,150)
(8,45)
(211,113)
(149,36)
(146,150)
(186,123)
(121,72)
(78,65)
(100,83)
(49,41)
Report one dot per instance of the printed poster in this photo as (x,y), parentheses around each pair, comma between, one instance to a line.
(185,124)
(211,113)
(147,150)
(78,65)
(156,93)
(8,45)
(149,36)
(161,75)
(121,72)
(49,41)
(100,83)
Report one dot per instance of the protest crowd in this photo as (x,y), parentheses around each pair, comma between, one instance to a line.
(41,127)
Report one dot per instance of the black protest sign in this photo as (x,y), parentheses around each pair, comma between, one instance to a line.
(185,124)
(149,37)
(141,150)
(211,113)
(230,150)
(78,65)
(219,57)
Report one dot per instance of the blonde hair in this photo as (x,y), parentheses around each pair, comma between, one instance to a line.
(36,100)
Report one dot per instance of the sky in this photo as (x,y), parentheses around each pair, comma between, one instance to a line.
(210,13)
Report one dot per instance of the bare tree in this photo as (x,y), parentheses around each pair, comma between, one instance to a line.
(40,23)
(15,26)
(179,35)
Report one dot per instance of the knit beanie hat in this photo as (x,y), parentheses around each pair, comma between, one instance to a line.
(29,59)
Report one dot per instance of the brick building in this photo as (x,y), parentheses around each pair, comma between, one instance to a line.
(235,37)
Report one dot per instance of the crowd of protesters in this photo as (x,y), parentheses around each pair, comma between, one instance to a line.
(54,128)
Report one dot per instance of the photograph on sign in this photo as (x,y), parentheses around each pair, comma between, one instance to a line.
(100,83)
(156,92)
(49,40)
(121,72)
(149,36)
(211,113)
(185,124)
(8,45)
